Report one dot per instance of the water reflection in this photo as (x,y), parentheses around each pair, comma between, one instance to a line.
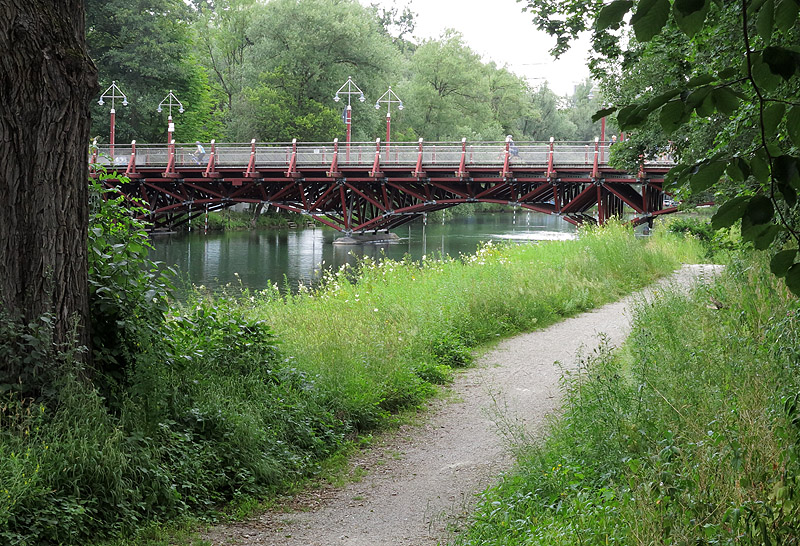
(257,259)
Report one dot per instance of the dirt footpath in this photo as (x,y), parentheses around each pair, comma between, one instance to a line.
(420,483)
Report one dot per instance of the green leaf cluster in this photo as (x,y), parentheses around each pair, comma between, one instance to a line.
(716,84)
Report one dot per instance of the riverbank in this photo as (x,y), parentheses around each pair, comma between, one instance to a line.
(418,485)
(246,395)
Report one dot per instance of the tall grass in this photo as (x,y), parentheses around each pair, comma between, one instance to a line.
(364,333)
(245,396)
(687,436)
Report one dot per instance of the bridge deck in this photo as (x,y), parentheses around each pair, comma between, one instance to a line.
(366,186)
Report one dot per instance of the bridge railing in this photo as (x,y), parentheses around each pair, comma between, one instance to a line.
(359,154)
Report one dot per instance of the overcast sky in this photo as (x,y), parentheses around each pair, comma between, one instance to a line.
(499,31)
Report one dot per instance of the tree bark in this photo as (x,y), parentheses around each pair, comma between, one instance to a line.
(46,82)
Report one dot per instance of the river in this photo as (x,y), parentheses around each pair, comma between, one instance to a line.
(259,258)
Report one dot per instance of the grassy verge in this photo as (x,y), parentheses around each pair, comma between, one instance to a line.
(239,398)
(687,436)
(371,336)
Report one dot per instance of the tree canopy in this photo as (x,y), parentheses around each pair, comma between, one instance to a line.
(716,84)
(248,69)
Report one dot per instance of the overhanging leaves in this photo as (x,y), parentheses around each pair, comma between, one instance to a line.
(600,114)
(766,20)
(781,61)
(773,114)
(673,115)
(782,261)
(759,210)
(690,15)
(649,19)
(793,125)
(785,14)
(706,175)
(793,279)
(612,14)
(725,100)
(730,212)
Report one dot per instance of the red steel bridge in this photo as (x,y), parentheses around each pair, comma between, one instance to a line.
(367,187)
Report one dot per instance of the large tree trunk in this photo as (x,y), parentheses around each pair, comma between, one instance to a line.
(46,82)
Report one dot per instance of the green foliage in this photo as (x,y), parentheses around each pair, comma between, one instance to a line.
(689,435)
(128,294)
(728,100)
(30,359)
(146,47)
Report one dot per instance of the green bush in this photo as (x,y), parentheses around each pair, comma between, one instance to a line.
(128,293)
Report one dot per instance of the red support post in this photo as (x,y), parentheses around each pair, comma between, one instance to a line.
(113,124)
(345,213)
(250,172)
(600,212)
(348,120)
(418,172)
(334,172)
(551,172)
(170,171)
(506,172)
(602,137)
(376,165)
(210,171)
(292,171)
(645,206)
(462,166)
(130,172)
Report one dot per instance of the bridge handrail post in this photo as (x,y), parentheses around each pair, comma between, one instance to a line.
(376,165)
(131,170)
(418,172)
(550,170)
(505,173)
(596,163)
(251,164)
(293,161)
(462,166)
(171,158)
(93,160)
(334,172)
(212,160)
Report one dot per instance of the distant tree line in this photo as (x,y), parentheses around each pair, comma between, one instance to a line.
(248,69)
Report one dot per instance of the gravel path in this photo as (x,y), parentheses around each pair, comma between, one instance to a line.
(420,483)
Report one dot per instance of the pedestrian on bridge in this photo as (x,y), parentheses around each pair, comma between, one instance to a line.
(199,154)
(512,147)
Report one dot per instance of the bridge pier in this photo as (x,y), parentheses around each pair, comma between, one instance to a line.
(362,238)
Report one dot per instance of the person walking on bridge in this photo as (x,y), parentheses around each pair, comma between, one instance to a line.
(199,153)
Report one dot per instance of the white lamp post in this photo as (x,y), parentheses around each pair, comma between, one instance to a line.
(388,98)
(113,92)
(169,101)
(349,88)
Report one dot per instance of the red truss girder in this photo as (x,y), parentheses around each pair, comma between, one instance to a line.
(351,200)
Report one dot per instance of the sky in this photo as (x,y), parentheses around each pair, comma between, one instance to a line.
(500,31)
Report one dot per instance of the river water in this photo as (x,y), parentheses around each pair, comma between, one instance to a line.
(257,259)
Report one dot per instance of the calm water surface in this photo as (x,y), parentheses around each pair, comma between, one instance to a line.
(264,257)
